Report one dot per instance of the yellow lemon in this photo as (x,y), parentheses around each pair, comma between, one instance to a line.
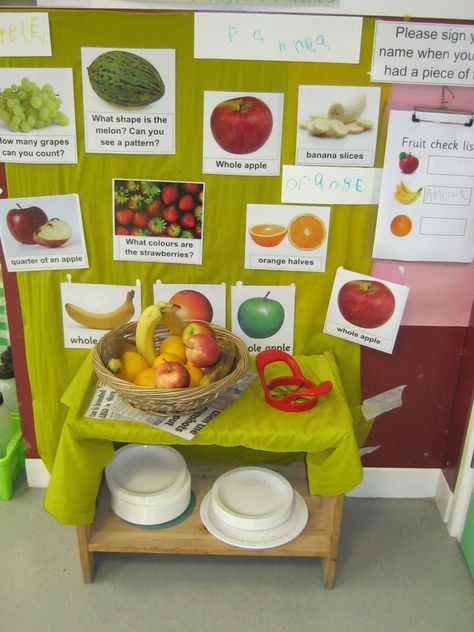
(195,374)
(173,344)
(146,377)
(132,363)
(166,357)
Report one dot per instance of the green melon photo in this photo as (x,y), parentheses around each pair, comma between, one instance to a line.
(125,79)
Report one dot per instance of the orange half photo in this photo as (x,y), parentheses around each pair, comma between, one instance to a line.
(306,232)
(267,235)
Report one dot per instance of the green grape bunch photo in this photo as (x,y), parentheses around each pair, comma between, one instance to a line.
(30,106)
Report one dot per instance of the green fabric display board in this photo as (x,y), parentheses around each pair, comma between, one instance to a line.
(51,367)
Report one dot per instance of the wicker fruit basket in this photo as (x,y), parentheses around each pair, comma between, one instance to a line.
(175,400)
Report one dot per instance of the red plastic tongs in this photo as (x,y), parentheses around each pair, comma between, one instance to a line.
(297,393)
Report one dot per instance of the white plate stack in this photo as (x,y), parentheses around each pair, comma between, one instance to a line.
(149,484)
(253,508)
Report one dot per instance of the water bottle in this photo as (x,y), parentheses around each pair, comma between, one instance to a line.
(6,430)
(8,387)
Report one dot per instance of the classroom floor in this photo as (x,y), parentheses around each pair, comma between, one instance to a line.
(398,571)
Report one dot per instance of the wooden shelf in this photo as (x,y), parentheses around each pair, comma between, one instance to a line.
(110,534)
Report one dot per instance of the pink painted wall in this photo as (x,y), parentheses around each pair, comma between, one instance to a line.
(441,294)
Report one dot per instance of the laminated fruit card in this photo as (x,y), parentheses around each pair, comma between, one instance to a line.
(263,316)
(197,301)
(242,133)
(365,310)
(42,233)
(37,116)
(337,125)
(286,237)
(158,221)
(426,210)
(129,100)
(90,310)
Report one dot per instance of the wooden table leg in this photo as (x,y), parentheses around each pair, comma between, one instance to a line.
(334,521)
(86,557)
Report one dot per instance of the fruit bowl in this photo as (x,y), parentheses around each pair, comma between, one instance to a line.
(162,401)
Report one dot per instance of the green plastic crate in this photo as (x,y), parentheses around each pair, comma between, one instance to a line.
(13,462)
(467,540)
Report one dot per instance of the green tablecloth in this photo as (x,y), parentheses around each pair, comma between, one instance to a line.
(324,434)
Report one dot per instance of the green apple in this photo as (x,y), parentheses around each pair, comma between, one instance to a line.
(260,316)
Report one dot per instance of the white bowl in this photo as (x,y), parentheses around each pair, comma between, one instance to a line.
(146,514)
(252,498)
(261,539)
(146,474)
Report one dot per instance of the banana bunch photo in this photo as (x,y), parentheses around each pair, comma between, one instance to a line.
(108,320)
(405,195)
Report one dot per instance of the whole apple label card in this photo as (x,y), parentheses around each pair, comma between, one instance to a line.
(286,237)
(197,301)
(129,100)
(365,310)
(337,125)
(42,233)
(242,133)
(90,310)
(37,117)
(426,208)
(158,221)
(263,316)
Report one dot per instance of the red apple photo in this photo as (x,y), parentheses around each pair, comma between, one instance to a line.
(172,375)
(241,125)
(23,222)
(197,327)
(201,350)
(407,162)
(192,305)
(366,303)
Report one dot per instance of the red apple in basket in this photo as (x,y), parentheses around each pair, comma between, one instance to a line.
(241,125)
(23,222)
(366,303)
(197,327)
(201,350)
(172,375)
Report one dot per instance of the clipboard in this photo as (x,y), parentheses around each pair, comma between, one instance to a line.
(443,114)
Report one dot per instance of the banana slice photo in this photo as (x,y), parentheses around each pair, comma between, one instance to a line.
(340,120)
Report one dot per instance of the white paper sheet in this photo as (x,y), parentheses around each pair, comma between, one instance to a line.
(307,38)
(24,35)
(436,221)
(424,53)
(329,185)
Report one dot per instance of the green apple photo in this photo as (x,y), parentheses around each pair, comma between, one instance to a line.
(260,316)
